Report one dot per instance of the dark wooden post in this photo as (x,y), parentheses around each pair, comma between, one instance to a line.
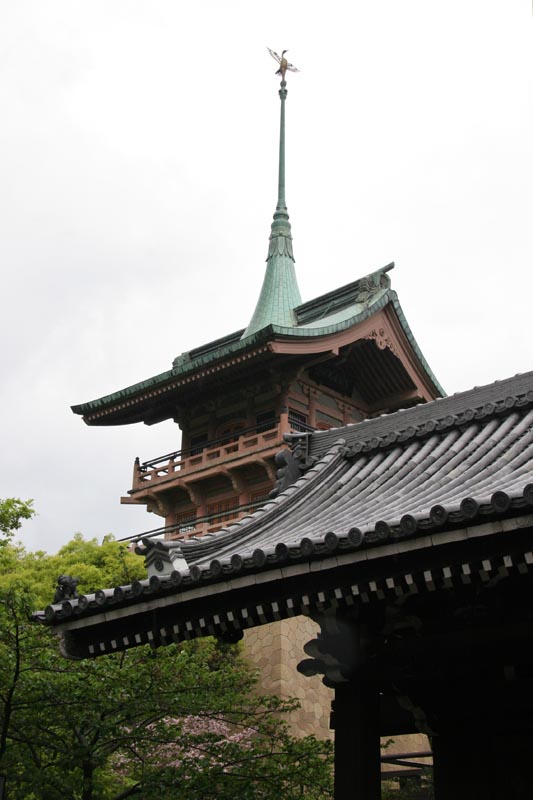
(357,744)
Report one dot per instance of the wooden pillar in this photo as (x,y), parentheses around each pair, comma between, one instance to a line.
(357,744)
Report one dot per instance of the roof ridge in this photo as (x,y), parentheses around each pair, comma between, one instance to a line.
(345,295)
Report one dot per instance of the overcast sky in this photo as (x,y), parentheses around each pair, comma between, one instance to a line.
(138,168)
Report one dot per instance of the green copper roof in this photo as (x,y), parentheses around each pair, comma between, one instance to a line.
(279,293)
(330,313)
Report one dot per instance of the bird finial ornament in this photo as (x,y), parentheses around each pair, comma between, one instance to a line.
(283,63)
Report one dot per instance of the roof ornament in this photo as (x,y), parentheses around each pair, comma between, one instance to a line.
(160,557)
(66,588)
(283,63)
(280,293)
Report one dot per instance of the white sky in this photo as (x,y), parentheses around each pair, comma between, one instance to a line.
(138,168)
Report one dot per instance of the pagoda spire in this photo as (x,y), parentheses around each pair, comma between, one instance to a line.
(279,293)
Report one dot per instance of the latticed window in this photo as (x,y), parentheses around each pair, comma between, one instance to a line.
(298,421)
(186,521)
(223,510)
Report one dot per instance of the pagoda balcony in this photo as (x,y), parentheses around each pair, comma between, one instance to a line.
(214,453)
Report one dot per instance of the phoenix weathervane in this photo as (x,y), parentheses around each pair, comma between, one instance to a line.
(283,63)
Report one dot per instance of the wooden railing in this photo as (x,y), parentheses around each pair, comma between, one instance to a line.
(211,452)
(204,454)
(196,449)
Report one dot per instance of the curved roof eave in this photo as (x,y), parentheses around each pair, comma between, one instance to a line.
(186,365)
(414,344)
(389,296)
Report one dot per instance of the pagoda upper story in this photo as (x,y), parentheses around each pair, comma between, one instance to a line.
(337,359)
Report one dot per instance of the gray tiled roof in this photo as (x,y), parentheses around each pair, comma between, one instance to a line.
(370,474)
(480,399)
(445,465)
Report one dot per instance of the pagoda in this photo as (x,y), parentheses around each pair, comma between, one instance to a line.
(394,550)
(340,358)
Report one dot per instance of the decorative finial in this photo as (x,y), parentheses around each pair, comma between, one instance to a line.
(283,65)
(279,294)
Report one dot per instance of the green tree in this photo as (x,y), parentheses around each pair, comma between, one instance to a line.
(12,512)
(96,565)
(179,722)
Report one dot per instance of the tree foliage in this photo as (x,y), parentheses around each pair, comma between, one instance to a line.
(179,722)
(12,512)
